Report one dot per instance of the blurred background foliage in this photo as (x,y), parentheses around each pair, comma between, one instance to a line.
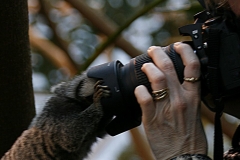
(62,25)
(65,34)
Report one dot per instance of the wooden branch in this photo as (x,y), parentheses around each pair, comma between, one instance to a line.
(104,25)
(45,9)
(58,57)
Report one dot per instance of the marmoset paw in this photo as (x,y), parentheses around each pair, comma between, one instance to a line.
(100,91)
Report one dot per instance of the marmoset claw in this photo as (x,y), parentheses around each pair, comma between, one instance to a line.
(100,91)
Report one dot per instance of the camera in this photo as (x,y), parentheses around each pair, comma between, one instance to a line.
(215,40)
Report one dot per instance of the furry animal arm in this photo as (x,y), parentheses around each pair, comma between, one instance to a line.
(68,125)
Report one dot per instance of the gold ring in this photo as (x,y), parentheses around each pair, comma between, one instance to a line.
(191,79)
(160,94)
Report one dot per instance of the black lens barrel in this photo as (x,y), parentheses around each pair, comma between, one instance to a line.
(122,81)
(144,58)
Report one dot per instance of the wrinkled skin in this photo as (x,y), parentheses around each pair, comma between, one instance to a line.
(172,125)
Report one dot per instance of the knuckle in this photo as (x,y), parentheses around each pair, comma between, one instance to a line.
(182,46)
(145,101)
(146,65)
(160,78)
(180,104)
(167,65)
(143,96)
(156,50)
(153,50)
(194,64)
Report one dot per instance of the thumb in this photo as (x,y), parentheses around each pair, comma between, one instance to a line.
(146,102)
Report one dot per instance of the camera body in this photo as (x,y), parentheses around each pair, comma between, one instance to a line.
(215,40)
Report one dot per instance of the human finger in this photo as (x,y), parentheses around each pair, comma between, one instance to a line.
(164,63)
(157,80)
(192,66)
(155,76)
(146,102)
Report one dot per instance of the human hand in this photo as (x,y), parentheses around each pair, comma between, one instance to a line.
(172,124)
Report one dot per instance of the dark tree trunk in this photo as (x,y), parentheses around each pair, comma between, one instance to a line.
(16,93)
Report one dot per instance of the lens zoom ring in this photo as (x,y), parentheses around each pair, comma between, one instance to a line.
(141,77)
(177,61)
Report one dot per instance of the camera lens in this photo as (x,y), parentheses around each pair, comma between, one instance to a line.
(141,78)
(122,81)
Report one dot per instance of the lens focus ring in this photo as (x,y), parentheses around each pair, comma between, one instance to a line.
(141,77)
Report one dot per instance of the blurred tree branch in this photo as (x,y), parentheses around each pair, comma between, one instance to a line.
(58,57)
(104,25)
(108,28)
(45,9)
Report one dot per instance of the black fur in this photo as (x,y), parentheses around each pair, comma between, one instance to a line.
(68,125)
